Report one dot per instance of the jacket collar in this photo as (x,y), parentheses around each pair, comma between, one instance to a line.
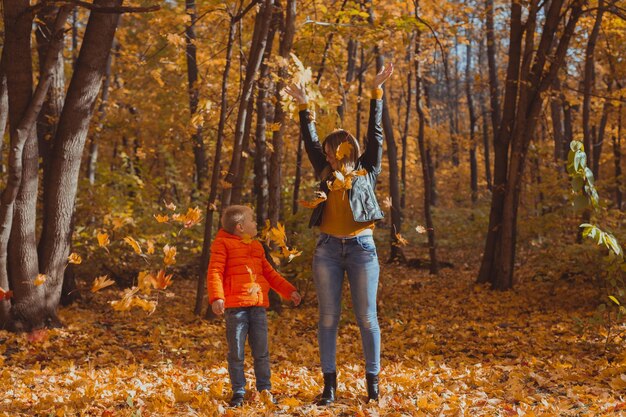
(225,235)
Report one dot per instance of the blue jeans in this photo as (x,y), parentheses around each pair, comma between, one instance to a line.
(250,322)
(357,257)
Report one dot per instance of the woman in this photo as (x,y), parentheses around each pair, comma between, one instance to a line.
(346,244)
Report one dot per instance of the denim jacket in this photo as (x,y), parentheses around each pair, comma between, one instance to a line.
(365,207)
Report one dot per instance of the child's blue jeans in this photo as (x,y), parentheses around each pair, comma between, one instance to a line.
(250,322)
(357,258)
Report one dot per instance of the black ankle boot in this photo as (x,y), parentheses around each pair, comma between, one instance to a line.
(236,400)
(330,386)
(372,386)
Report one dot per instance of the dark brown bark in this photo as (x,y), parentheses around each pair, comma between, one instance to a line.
(257,48)
(359,102)
(26,310)
(240,178)
(426,172)
(535,81)
(199,151)
(4,108)
(407,118)
(556,113)
(68,147)
(588,81)
(599,138)
(494,93)
(276,159)
(617,159)
(472,121)
(485,126)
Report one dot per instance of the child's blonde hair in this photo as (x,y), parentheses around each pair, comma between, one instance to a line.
(232,216)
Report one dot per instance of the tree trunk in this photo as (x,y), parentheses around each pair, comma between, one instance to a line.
(421,140)
(215,174)
(599,140)
(501,144)
(534,82)
(25,312)
(276,159)
(257,48)
(93,141)
(68,148)
(556,110)
(240,178)
(617,158)
(407,118)
(472,121)
(494,92)
(589,78)
(359,101)
(4,108)
(485,126)
(199,152)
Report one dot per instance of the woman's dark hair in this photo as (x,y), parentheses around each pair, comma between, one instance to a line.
(337,138)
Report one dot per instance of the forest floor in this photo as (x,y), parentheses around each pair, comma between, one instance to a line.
(450,348)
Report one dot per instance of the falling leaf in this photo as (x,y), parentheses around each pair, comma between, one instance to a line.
(420,229)
(387,202)
(401,241)
(320,196)
(156,74)
(359,172)
(192,217)
(145,282)
(103,239)
(247,239)
(277,235)
(74,258)
(253,288)
(170,255)
(5,295)
(100,283)
(162,281)
(274,127)
(149,247)
(41,278)
(343,150)
(170,206)
(162,218)
(134,244)
(289,254)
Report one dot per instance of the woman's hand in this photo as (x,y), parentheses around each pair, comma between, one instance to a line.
(383,75)
(298,92)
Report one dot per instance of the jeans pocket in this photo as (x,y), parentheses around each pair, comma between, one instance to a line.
(367,243)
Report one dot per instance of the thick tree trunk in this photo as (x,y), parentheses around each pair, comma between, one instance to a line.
(68,148)
(421,140)
(199,152)
(26,310)
(257,48)
(535,82)
(276,159)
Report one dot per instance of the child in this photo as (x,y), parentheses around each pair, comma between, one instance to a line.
(238,280)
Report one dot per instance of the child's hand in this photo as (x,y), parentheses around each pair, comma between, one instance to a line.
(218,307)
(295,297)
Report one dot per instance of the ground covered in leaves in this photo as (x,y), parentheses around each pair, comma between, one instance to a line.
(450,348)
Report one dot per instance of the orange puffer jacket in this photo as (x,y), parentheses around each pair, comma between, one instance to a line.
(240,275)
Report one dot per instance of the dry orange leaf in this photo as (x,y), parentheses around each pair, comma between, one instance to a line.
(162,281)
(170,255)
(74,258)
(41,278)
(103,239)
(5,295)
(162,218)
(100,283)
(134,244)
(320,196)
(343,150)
(401,240)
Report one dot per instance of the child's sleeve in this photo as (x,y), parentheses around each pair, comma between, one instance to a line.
(215,273)
(277,282)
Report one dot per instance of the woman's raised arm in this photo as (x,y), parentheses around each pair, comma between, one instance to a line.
(307,127)
(372,157)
